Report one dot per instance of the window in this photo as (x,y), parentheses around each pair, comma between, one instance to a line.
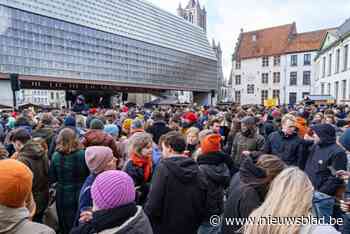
(276,60)
(306,78)
(307,59)
(238,65)
(276,77)
(57,96)
(293,78)
(344,89)
(330,65)
(276,94)
(238,80)
(324,67)
(250,89)
(337,61)
(265,78)
(52,95)
(322,89)
(265,61)
(294,60)
(336,90)
(329,89)
(238,97)
(346,54)
(264,96)
(292,98)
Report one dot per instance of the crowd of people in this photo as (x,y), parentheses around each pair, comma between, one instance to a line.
(167,170)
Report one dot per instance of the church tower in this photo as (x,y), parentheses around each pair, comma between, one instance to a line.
(194,14)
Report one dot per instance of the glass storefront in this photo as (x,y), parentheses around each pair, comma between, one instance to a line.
(32,44)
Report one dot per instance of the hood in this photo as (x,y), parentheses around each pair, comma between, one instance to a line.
(326,132)
(183,168)
(250,173)
(220,174)
(33,151)
(11,217)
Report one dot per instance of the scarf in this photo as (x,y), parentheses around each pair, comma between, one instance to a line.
(143,162)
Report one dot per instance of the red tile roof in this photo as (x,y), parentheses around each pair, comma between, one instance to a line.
(277,40)
(306,41)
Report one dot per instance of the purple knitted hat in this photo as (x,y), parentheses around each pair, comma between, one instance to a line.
(112,189)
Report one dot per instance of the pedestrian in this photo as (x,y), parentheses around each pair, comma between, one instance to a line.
(215,166)
(248,188)
(19,137)
(178,186)
(286,143)
(290,195)
(98,159)
(68,169)
(159,126)
(140,164)
(44,129)
(192,140)
(114,209)
(34,156)
(15,189)
(97,137)
(324,157)
(247,141)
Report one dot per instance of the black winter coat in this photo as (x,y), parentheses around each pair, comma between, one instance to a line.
(218,177)
(128,219)
(323,157)
(177,199)
(246,193)
(289,148)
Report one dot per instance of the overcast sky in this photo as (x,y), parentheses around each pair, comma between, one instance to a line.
(227,17)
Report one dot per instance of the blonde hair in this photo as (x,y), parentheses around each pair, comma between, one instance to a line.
(289,117)
(290,195)
(192,130)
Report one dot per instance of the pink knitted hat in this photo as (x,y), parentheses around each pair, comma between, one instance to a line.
(112,189)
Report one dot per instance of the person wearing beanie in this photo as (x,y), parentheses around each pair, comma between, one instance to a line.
(189,119)
(15,189)
(98,159)
(216,166)
(113,193)
(177,200)
(112,130)
(96,136)
(323,155)
(136,126)
(68,170)
(247,141)
(126,125)
(140,166)
(34,155)
(277,142)
(69,121)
